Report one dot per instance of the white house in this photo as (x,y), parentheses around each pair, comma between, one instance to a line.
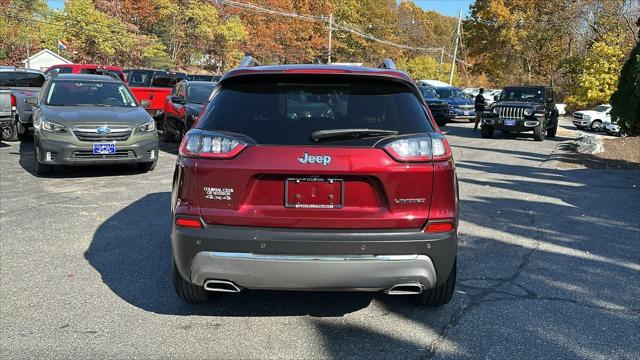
(43,60)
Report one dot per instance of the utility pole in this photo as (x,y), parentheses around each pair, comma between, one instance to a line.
(441,62)
(28,53)
(455,49)
(330,35)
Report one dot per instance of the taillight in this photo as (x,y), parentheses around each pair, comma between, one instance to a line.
(441,148)
(14,103)
(420,149)
(435,227)
(188,223)
(197,143)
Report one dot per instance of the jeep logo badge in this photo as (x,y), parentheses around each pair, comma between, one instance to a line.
(311,159)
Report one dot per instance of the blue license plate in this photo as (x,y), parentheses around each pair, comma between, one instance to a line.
(510,122)
(104,149)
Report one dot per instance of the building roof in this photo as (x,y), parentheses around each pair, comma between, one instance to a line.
(48,52)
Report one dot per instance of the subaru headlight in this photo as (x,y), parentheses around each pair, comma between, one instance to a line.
(49,126)
(146,127)
(528,111)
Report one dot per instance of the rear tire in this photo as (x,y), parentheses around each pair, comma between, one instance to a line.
(187,291)
(538,132)
(441,294)
(486,131)
(10,133)
(167,135)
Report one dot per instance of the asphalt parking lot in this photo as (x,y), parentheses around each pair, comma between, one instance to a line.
(549,265)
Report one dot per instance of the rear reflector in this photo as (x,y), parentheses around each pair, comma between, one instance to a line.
(439,227)
(189,223)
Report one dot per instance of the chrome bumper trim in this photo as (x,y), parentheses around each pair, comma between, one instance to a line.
(310,272)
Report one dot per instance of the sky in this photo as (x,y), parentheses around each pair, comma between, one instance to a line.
(446,7)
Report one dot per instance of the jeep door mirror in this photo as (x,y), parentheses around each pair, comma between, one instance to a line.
(177,99)
(33,101)
(496,97)
(145,104)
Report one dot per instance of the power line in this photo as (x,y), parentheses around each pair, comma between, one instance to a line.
(336,25)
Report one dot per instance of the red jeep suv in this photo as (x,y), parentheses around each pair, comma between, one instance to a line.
(315,177)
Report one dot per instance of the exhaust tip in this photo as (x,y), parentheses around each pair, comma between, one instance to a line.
(221,286)
(405,289)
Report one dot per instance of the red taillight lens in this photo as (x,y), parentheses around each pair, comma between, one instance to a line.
(439,227)
(14,103)
(420,149)
(189,223)
(210,145)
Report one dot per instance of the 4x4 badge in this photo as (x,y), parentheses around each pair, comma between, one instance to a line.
(324,160)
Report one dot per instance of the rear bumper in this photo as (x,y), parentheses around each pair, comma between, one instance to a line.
(462,114)
(300,272)
(313,259)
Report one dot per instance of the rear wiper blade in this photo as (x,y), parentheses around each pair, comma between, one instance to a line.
(350,133)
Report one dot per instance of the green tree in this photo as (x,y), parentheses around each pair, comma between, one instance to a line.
(599,72)
(626,100)
(425,67)
(19,35)
(194,33)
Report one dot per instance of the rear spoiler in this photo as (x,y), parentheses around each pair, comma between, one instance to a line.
(249,61)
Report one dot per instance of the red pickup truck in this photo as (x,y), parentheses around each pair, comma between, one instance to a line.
(153,85)
(113,71)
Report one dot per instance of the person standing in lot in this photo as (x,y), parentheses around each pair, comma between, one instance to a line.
(479,108)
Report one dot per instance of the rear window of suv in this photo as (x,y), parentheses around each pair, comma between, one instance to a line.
(287,110)
(21,79)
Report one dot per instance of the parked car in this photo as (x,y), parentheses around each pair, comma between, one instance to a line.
(490,96)
(439,108)
(613,128)
(88,120)
(204,77)
(16,85)
(471,91)
(315,177)
(93,69)
(182,108)
(7,111)
(153,86)
(593,119)
(460,106)
(523,109)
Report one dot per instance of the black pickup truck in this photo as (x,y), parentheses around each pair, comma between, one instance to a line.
(522,109)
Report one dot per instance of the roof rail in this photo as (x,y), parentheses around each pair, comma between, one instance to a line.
(387,64)
(248,61)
